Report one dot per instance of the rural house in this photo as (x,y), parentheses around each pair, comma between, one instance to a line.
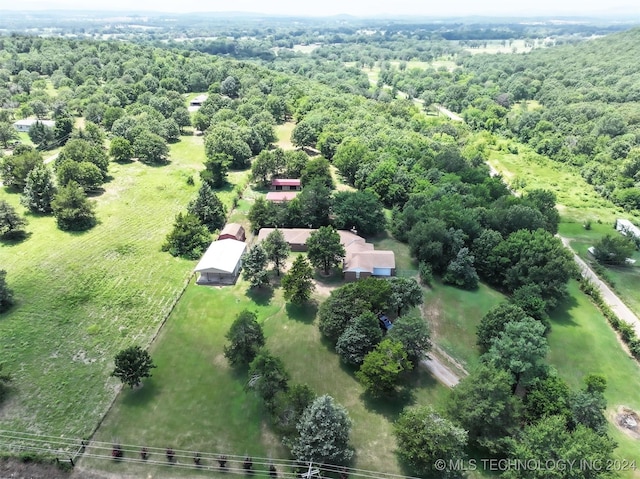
(25,125)
(221,263)
(232,231)
(286,184)
(361,259)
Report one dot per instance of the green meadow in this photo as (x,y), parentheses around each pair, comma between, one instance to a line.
(81,297)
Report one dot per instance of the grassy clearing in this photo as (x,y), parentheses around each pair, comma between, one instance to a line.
(81,297)
(283,132)
(577,200)
(582,342)
(495,46)
(195,401)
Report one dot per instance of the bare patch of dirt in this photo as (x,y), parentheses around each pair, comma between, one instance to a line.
(628,421)
(16,469)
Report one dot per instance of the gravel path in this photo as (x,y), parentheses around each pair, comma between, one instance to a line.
(613,301)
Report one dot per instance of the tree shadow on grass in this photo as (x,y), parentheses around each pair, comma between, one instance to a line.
(561,314)
(261,296)
(16,240)
(140,396)
(305,313)
(391,404)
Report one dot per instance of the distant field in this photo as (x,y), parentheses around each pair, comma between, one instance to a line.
(496,46)
(81,297)
(305,48)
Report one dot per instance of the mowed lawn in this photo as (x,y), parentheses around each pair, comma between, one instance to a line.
(582,342)
(81,297)
(196,401)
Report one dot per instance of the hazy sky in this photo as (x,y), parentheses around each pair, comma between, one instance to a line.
(353,7)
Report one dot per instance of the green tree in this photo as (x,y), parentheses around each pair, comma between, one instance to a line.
(549,438)
(11,223)
(39,190)
(229,141)
(521,349)
(382,367)
(86,174)
(267,165)
(494,322)
(8,134)
(277,249)
(298,282)
(72,210)
(216,168)
(63,128)
(317,169)
(361,210)
(150,148)
(614,249)
(208,208)
(350,155)
(133,364)
(189,238)
(324,430)
(460,271)
(304,135)
(182,118)
(405,293)
(84,150)
(359,338)
(121,149)
(587,409)
(288,407)
(483,405)
(254,267)
(260,214)
(545,202)
(230,87)
(15,168)
(314,205)
(41,135)
(245,339)
(413,332)
(424,437)
(548,396)
(267,376)
(324,249)
(6,293)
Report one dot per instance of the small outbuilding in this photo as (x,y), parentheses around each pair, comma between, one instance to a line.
(232,231)
(221,263)
(197,102)
(286,184)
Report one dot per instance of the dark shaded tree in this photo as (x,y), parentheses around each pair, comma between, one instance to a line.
(150,148)
(614,249)
(254,266)
(189,238)
(267,376)
(245,339)
(132,365)
(121,149)
(360,210)
(359,338)
(6,293)
(216,168)
(12,225)
(72,209)
(298,282)
(405,293)
(208,208)
(277,249)
(15,168)
(324,248)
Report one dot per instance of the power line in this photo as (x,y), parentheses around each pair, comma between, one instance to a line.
(68,447)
